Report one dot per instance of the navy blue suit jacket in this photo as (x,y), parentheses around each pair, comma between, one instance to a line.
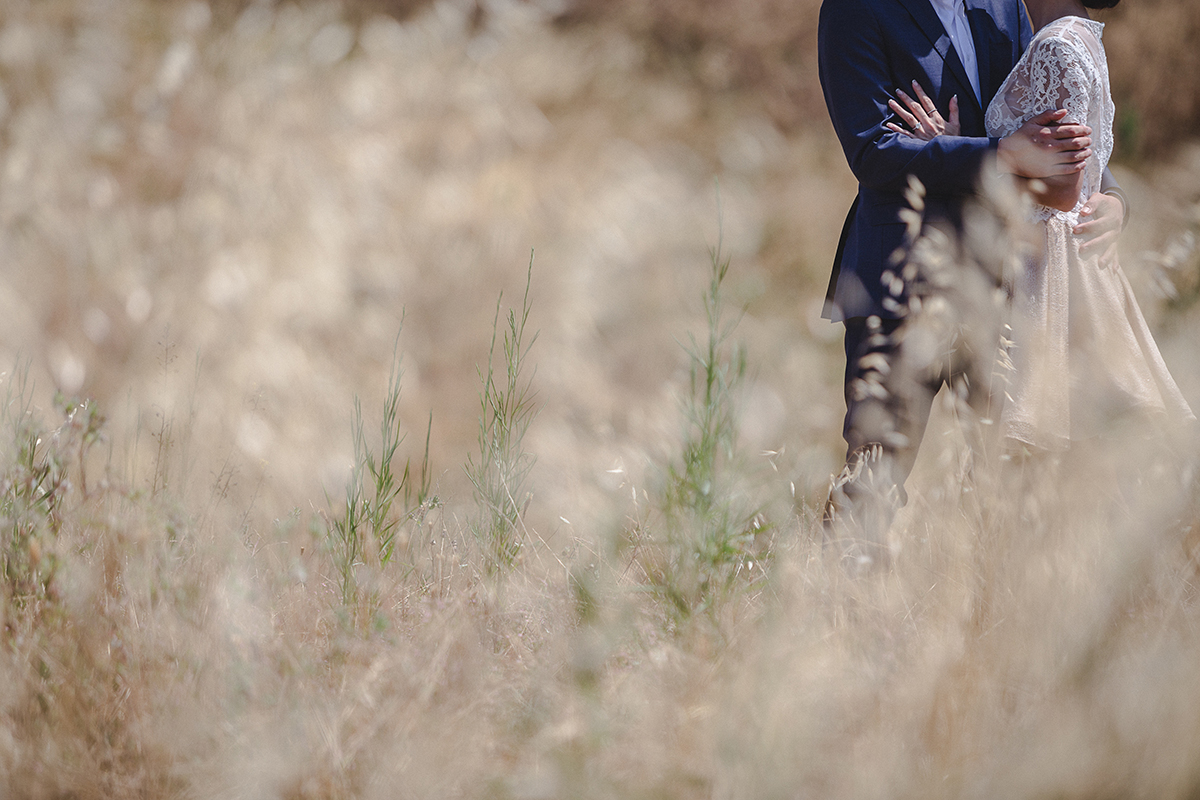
(868,49)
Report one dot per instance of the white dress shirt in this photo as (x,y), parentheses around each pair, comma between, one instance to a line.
(953,14)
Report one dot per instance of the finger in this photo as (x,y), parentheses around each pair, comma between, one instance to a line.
(903,114)
(1116,213)
(1098,239)
(1108,210)
(926,103)
(913,104)
(1066,164)
(1068,132)
(1105,250)
(1067,168)
(1054,138)
(1065,156)
(1094,240)
(1069,129)
(917,110)
(1066,147)
(1049,117)
(1095,227)
(954,126)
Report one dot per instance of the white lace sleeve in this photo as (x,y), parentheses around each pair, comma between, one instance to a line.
(1055,76)
(1064,67)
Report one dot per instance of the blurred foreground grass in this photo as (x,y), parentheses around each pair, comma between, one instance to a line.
(214,219)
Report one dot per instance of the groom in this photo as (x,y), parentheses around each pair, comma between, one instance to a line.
(869,50)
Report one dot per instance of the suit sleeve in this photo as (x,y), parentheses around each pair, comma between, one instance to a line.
(857,81)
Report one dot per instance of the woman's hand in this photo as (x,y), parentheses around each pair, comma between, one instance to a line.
(1099,228)
(922,117)
(1045,146)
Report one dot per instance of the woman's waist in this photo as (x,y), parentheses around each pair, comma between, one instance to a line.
(1070,218)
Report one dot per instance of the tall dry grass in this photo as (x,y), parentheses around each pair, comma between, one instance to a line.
(213,221)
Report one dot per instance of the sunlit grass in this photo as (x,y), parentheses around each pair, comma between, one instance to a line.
(253,561)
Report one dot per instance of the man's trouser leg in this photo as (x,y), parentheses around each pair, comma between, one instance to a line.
(886,414)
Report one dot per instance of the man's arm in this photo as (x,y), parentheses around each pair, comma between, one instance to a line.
(857,84)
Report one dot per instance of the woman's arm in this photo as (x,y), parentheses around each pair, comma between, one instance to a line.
(1060,191)
(1043,146)
(1056,78)
(857,77)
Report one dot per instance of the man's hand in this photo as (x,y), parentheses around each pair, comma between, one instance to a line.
(1043,148)
(1100,227)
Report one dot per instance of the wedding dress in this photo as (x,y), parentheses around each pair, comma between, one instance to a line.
(1082,352)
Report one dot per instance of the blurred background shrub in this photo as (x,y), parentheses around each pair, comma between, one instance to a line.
(768,49)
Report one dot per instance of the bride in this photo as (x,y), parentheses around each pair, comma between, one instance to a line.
(1082,352)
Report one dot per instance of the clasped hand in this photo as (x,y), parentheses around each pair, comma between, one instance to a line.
(1044,147)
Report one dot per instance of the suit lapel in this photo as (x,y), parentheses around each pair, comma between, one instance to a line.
(983,45)
(927,20)
(1001,32)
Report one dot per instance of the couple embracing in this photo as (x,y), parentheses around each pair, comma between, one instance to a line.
(939,90)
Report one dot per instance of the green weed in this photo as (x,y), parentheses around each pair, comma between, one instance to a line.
(379,499)
(710,528)
(36,481)
(506,408)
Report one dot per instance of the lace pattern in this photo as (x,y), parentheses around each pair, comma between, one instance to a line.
(1063,67)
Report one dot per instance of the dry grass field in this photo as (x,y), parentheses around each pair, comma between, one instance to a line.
(380,422)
